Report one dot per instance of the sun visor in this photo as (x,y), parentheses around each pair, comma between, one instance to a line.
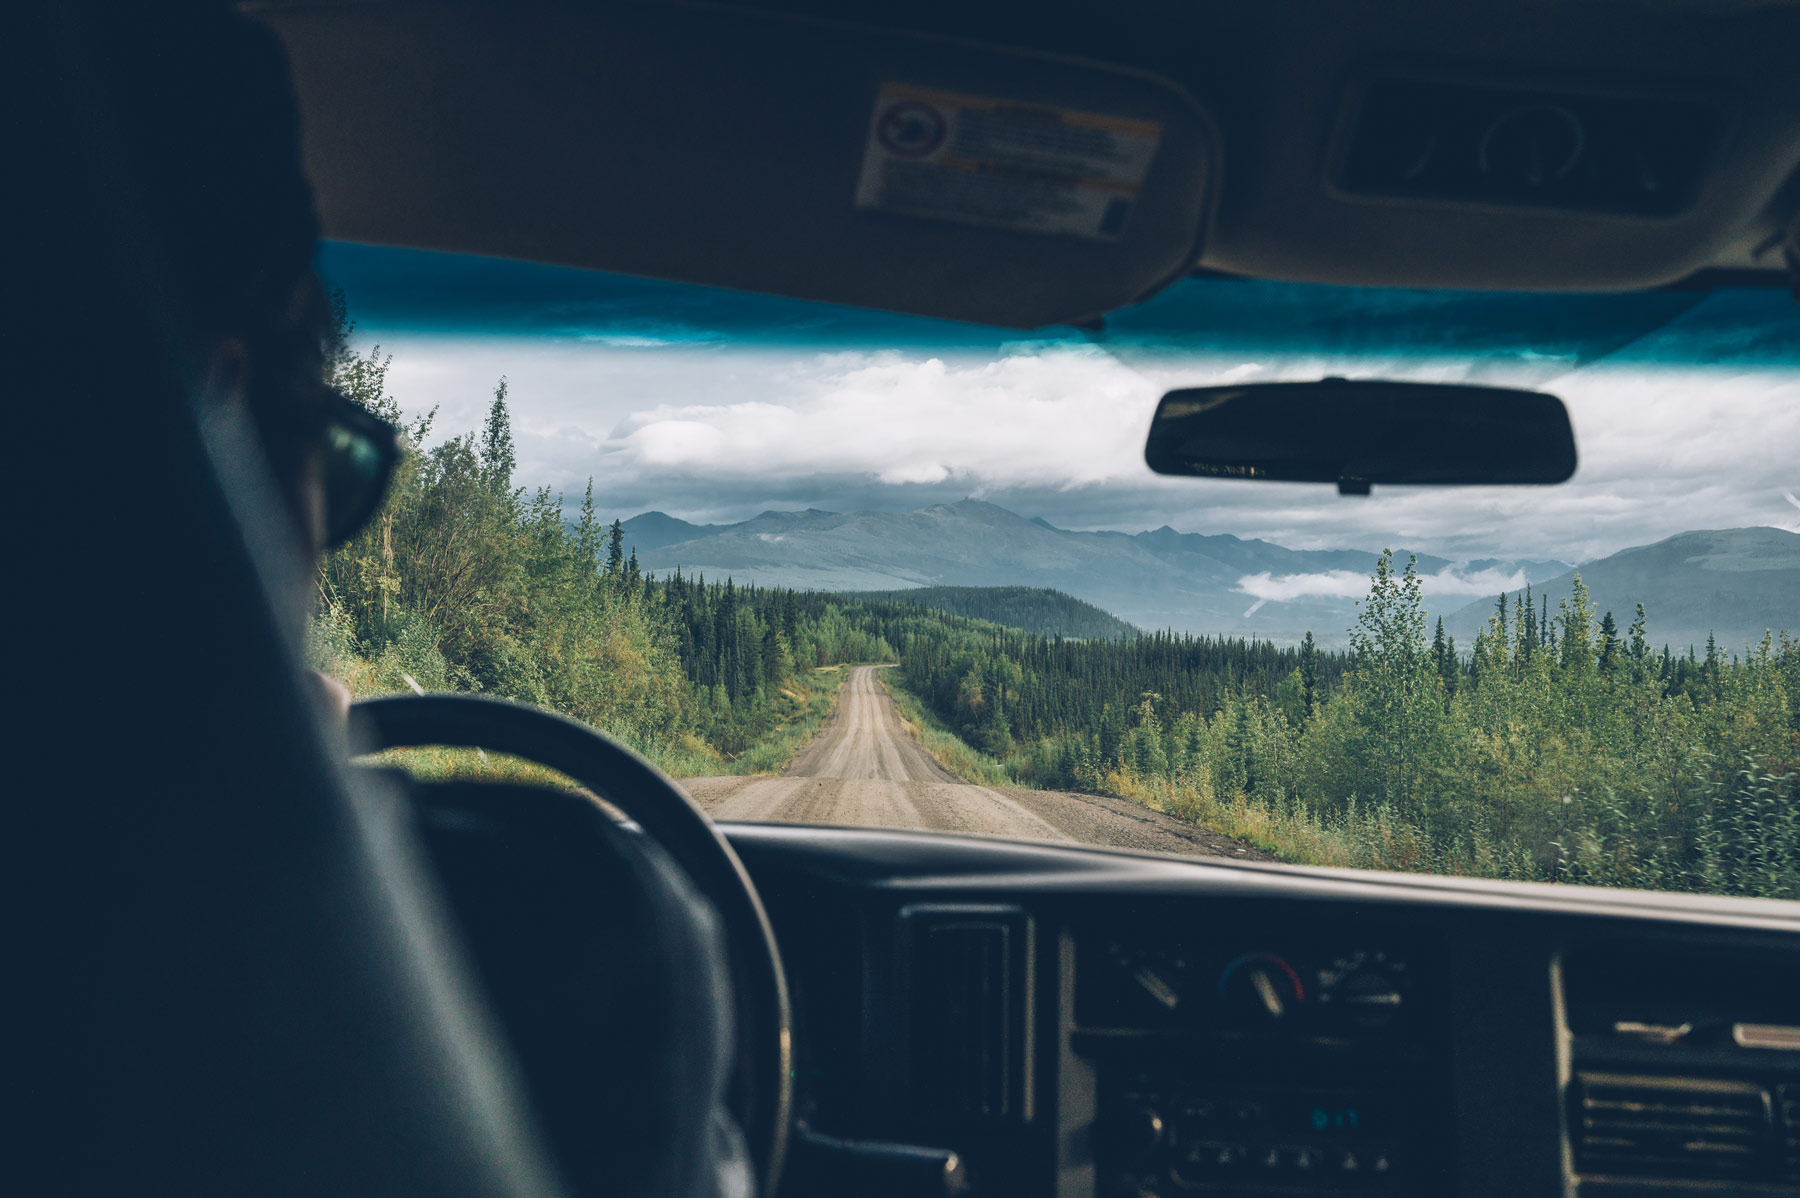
(812,160)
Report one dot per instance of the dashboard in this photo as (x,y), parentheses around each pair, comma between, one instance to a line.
(1088,1022)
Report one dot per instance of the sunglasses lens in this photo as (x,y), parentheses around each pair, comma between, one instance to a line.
(357,465)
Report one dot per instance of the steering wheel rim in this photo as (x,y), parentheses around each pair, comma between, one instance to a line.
(762,1065)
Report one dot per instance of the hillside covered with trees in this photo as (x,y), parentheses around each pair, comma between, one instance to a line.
(1042,610)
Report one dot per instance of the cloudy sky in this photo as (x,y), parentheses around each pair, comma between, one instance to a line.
(714,405)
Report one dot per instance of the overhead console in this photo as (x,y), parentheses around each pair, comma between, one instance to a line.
(1534,147)
(1482,174)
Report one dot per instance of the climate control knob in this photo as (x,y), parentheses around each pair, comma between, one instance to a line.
(1371,998)
(1133,1132)
(1261,988)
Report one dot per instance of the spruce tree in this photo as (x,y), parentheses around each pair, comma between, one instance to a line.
(615,550)
(1609,641)
(1309,672)
(1528,627)
(587,532)
(790,616)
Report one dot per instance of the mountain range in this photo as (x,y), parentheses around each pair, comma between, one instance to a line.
(1742,579)
(1735,583)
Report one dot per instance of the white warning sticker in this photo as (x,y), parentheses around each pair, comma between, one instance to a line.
(982,161)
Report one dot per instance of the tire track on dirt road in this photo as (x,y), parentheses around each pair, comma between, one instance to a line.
(864,769)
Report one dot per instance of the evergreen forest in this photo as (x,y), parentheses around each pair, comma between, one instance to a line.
(1034,609)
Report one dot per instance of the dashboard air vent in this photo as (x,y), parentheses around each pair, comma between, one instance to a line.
(1636,1126)
(971,1011)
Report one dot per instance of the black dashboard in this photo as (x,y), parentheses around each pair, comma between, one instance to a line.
(1087,1022)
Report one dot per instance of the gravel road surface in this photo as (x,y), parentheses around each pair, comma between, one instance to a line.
(865,769)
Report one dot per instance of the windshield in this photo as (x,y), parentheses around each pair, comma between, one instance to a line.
(834,566)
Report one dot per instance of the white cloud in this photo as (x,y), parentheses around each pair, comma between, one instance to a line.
(915,472)
(1472,582)
(1062,417)
(677,442)
(1336,584)
(1353,584)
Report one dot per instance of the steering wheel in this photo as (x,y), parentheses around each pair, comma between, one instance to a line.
(760,1092)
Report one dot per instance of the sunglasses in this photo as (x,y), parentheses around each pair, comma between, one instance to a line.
(359,452)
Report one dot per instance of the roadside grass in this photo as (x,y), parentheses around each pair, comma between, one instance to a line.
(950,750)
(693,758)
(437,764)
(1294,835)
(771,752)
(1372,836)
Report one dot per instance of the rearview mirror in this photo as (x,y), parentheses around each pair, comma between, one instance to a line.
(1356,434)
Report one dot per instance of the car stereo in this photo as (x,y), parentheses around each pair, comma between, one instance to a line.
(1223,1065)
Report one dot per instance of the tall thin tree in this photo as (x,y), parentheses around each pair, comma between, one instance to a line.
(497,456)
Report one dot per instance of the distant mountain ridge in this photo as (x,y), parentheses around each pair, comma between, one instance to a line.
(1217,584)
(653,530)
(1732,583)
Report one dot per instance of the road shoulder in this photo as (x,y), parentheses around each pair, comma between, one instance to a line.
(1112,822)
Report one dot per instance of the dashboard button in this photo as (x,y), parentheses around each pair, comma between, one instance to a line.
(1245,1112)
(1196,1117)
(1214,1155)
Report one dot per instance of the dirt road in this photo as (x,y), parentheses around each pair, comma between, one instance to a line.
(864,769)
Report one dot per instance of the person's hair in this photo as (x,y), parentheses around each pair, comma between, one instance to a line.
(211,137)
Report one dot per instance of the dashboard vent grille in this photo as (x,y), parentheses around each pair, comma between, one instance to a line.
(1634,1126)
(970,1008)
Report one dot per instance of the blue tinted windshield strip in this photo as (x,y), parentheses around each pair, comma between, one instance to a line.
(458,294)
